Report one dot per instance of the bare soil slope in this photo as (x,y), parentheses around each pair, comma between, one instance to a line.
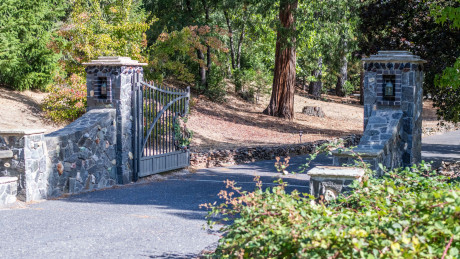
(19,110)
(234,123)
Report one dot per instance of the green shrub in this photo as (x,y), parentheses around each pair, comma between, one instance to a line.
(66,101)
(409,213)
(216,88)
(28,57)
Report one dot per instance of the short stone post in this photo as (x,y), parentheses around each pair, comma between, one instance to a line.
(23,156)
(330,181)
(110,82)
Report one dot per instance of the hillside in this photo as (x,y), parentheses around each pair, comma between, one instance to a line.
(230,124)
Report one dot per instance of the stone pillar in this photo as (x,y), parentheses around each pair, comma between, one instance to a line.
(24,157)
(405,72)
(109,85)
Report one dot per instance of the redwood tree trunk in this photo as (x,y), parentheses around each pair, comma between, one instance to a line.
(282,99)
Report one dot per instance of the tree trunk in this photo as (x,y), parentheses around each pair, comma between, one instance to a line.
(361,87)
(230,36)
(316,87)
(342,78)
(282,98)
(200,56)
(208,52)
(240,43)
(304,83)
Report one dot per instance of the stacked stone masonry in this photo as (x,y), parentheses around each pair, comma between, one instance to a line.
(8,190)
(82,156)
(28,162)
(397,122)
(120,80)
(380,143)
(225,157)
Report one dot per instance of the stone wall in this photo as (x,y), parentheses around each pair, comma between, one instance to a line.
(225,157)
(380,143)
(28,162)
(82,156)
(79,157)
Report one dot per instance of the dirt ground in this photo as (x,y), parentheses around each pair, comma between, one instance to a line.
(20,110)
(234,123)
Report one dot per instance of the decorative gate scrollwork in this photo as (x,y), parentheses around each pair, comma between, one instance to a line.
(156,112)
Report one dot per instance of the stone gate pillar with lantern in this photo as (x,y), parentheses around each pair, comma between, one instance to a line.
(393,92)
(392,135)
(109,85)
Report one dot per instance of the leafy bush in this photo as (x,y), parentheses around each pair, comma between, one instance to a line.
(103,28)
(28,59)
(216,89)
(66,101)
(250,83)
(348,88)
(409,213)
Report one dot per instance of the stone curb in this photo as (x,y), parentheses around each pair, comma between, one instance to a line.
(243,155)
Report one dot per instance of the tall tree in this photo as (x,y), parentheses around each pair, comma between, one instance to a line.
(282,98)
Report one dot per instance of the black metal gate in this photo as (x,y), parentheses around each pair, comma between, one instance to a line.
(157,134)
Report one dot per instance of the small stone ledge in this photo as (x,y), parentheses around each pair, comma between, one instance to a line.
(336,172)
(8,190)
(22,132)
(330,181)
(6,154)
(368,153)
(8,179)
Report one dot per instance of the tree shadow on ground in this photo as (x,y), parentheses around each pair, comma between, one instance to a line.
(267,122)
(438,153)
(31,104)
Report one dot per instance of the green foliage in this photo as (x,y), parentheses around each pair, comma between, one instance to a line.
(217,88)
(182,135)
(448,81)
(409,213)
(95,28)
(171,53)
(28,59)
(103,28)
(427,29)
(67,101)
(250,84)
(348,88)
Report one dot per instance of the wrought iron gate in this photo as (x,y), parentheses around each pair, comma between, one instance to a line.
(156,114)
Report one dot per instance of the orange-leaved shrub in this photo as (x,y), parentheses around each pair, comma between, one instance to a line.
(67,101)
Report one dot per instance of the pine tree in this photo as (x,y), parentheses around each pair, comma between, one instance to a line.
(27,58)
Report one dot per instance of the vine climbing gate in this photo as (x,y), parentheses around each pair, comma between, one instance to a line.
(160,137)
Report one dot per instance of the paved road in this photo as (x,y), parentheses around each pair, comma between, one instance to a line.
(159,219)
(445,147)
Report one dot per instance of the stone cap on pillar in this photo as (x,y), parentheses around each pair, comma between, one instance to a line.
(394,56)
(114,61)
